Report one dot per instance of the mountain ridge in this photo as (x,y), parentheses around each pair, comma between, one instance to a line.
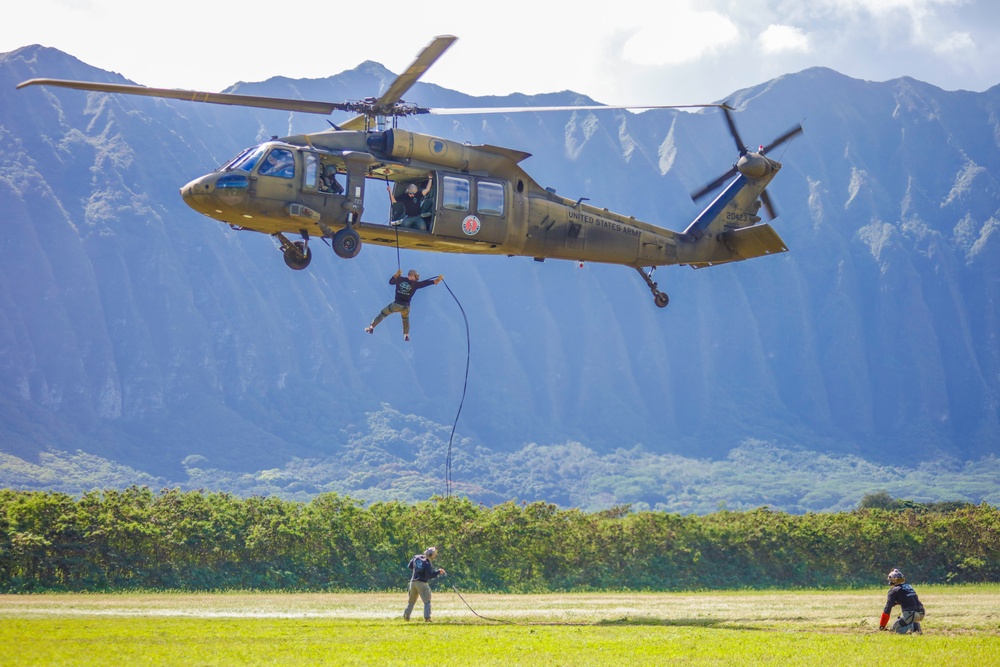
(149,335)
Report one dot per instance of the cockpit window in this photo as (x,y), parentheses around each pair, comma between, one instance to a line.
(312,170)
(279,163)
(247,160)
(229,165)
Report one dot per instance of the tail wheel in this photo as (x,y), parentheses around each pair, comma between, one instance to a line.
(661,299)
(298,256)
(346,243)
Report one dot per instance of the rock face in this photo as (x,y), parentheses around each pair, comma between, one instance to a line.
(135,329)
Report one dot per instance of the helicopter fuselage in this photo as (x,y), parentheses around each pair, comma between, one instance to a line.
(477,199)
(481,201)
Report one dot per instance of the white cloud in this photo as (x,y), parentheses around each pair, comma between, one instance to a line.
(689,36)
(783,39)
(955,43)
(878,7)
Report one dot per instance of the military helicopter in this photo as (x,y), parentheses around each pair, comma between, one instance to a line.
(479,199)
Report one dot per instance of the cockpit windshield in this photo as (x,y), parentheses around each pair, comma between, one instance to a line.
(246,160)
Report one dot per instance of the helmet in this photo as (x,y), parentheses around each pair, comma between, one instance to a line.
(431,552)
(896,577)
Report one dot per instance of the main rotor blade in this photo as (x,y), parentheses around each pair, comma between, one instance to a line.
(782,139)
(597,107)
(281,104)
(424,60)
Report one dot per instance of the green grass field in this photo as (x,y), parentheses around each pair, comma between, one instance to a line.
(710,628)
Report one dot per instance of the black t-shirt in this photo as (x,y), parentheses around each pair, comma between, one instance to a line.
(422,568)
(905,597)
(411,205)
(406,287)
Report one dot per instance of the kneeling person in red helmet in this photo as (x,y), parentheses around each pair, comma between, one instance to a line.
(912,610)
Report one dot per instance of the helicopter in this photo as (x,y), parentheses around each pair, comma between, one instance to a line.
(478,199)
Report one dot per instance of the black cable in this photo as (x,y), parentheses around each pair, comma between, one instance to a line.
(485,618)
(465,387)
(399,264)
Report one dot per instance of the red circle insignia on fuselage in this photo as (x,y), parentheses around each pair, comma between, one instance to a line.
(471,225)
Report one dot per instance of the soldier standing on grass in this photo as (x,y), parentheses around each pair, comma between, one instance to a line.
(912,612)
(423,572)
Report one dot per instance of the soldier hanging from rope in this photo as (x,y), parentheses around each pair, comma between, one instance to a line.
(405,288)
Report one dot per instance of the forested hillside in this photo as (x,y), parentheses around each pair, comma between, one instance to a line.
(137,332)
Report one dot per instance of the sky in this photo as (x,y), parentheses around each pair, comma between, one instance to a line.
(618,52)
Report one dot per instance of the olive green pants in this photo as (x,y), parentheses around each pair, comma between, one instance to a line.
(404,312)
(422,590)
(908,621)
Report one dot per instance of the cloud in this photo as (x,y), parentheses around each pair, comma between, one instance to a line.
(878,7)
(955,43)
(690,36)
(783,39)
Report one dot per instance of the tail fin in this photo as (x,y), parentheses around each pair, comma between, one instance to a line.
(728,230)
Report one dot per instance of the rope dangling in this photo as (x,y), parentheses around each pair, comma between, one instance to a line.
(465,387)
(399,265)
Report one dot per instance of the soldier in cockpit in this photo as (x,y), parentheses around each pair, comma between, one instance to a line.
(328,181)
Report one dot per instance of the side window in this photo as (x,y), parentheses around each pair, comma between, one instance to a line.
(489,198)
(312,171)
(279,163)
(455,193)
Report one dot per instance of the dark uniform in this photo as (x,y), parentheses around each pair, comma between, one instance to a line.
(423,572)
(912,610)
(414,207)
(405,288)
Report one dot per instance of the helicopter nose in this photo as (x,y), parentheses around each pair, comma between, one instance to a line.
(198,188)
(213,193)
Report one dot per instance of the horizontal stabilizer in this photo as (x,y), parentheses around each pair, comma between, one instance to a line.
(746,243)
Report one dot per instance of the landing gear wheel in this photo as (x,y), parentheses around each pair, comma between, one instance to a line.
(661,299)
(346,243)
(298,256)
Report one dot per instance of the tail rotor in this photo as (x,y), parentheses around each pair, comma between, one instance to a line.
(746,159)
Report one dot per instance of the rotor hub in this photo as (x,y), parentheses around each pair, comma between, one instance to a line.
(754,165)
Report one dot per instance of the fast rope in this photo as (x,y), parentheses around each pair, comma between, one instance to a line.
(485,618)
(465,387)
(399,265)
(468,357)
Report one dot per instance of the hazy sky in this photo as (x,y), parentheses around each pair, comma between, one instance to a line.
(617,52)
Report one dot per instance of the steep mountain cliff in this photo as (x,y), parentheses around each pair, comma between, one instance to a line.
(136,330)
